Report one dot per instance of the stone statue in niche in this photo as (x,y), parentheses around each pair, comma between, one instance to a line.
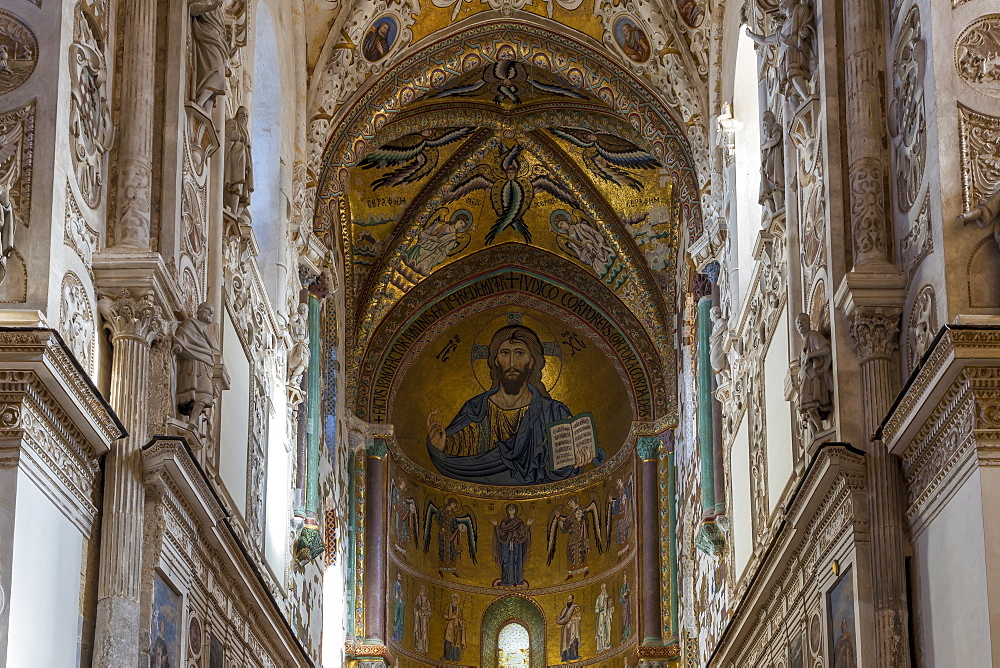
(8,220)
(239,164)
(987,213)
(796,40)
(815,377)
(772,165)
(195,347)
(211,51)
(717,341)
(298,354)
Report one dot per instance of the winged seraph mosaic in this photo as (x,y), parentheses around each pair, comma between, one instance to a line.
(455,524)
(511,193)
(509,81)
(415,155)
(608,156)
(582,525)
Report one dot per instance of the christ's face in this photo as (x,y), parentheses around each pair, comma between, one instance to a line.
(515,363)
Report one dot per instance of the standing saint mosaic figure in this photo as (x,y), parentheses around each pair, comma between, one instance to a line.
(421,620)
(398,610)
(604,608)
(511,542)
(454,630)
(569,638)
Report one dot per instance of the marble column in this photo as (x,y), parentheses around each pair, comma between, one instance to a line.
(375,587)
(876,334)
(135,149)
(648,448)
(134,322)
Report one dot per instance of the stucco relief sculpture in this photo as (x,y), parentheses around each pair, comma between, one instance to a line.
(772,165)
(907,124)
(77,234)
(796,40)
(923,324)
(196,350)
(76,320)
(717,341)
(211,52)
(815,377)
(91,129)
(298,354)
(977,55)
(239,164)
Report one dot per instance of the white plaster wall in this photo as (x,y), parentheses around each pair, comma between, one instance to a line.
(234,433)
(278,487)
(951,571)
(780,463)
(266,203)
(746,110)
(45,620)
(742,523)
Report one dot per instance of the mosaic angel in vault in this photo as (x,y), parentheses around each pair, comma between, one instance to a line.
(453,530)
(510,193)
(607,156)
(415,155)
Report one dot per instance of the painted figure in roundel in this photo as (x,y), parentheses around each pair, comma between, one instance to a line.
(691,11)
(514,433)
(379,39)
(511,542)
(632,40)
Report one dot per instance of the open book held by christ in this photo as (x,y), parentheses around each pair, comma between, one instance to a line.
(572,442)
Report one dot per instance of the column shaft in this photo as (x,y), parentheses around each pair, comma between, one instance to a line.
(375,587)
(134,323)
(875,331)
(650,554)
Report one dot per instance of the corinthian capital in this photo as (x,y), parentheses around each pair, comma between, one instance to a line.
(875,331)
(129,316)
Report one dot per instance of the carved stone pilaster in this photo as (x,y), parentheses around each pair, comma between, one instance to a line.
(864,77)
(875,331)
(135,171)
(134,322)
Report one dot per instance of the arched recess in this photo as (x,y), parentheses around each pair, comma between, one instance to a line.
(518,609)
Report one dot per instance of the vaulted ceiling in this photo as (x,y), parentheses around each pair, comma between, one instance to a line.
(494,133)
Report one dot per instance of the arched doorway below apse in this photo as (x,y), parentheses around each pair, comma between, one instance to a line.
(513,623)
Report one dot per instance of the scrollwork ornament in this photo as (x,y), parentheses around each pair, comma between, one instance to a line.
(875,332)
(868,210)
(907,121)
(91,129)
(923,324)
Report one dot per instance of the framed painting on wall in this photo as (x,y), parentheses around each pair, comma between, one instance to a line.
(840,611)
(165,624)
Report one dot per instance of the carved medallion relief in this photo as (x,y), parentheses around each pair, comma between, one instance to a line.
(907,121)
(77,234)
(923,325)
(91,131)
(18,52)
(977,55)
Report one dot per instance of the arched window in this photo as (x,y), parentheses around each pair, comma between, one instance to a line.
(747,210)
(265,208)
(514,645)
